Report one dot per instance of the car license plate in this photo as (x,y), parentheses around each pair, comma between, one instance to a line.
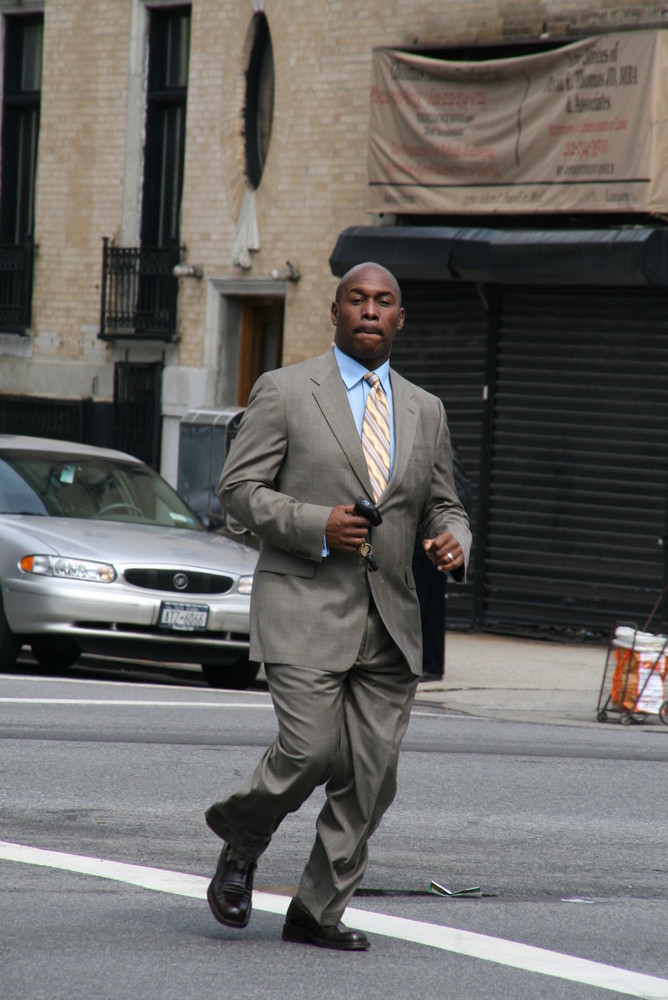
(184,617)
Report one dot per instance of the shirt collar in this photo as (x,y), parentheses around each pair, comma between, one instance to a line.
(353,372)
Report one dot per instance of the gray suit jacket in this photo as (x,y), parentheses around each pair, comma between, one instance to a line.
(298,454)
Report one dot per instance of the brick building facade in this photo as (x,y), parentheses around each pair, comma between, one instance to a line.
(241,307)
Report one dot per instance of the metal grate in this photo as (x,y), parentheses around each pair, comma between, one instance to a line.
(139,292)
(136,410)
(163,579)
(16,270)
(578,490)
(557,399)
(44,417)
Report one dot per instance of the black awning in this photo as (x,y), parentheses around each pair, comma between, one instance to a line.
(634,255)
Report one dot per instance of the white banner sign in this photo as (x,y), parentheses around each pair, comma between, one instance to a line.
(581,128)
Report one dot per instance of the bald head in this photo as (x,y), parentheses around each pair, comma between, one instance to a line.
(351,275)
(367,314)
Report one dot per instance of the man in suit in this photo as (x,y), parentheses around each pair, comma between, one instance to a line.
(340,642)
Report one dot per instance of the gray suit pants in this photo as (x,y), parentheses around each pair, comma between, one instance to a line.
(339,728)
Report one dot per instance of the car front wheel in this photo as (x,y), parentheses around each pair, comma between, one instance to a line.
(237,675)
(55,653)
(9,643)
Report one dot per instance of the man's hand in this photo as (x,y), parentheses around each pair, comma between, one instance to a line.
(345,530)
(444,551)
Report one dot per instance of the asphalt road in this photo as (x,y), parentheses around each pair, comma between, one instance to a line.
(563,828)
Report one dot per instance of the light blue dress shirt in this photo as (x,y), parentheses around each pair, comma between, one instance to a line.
(352,373)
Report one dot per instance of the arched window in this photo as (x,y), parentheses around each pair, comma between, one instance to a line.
(259,109)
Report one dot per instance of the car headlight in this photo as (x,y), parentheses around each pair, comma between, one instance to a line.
(245,584)
(69,569)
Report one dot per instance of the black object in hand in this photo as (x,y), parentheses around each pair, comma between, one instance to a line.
(364,508)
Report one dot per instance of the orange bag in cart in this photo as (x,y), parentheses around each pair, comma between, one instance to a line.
(624,690)
(640,672)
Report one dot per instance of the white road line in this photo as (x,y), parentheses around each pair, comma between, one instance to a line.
(480,946)
(444,715)
(116,685)
(176,704)
(123,703)
(99,682)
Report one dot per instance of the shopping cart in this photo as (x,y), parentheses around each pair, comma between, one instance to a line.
(634,677)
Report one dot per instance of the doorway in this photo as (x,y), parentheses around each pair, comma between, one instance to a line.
(261,342)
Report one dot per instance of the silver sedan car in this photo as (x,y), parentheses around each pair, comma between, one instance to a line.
(99,554)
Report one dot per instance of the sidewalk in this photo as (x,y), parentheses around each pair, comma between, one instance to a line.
(521,679)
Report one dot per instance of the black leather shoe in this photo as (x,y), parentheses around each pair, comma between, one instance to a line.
(301,926)
(230,891)
(427,676)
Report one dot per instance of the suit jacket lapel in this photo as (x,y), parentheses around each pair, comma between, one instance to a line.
(330,395)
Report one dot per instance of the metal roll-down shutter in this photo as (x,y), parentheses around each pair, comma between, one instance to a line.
(578,480)
(442,348)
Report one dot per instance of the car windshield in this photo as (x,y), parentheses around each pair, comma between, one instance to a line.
(90,487)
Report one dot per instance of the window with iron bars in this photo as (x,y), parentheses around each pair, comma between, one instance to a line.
(21,100)
(139,292)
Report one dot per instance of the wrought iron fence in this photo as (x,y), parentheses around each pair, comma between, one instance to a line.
(137,421)
(138,292)
(16,269)
(42,416)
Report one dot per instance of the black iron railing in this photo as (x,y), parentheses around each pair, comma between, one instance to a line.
(16,269)
(49,417)
(138,292)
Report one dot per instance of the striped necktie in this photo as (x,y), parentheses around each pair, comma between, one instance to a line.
(376,435)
